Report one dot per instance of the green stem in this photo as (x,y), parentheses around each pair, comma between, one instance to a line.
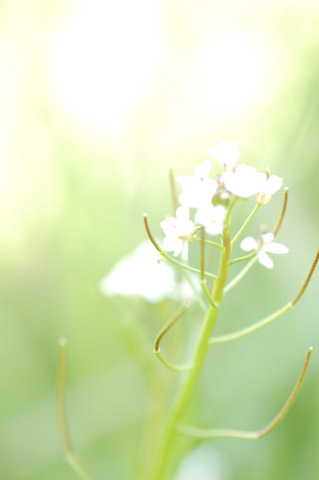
(256,435)
(171,366)
(168,437)
(209,242)
(241,274)
(243,258)
(244,225)
(207,293)
(253,328)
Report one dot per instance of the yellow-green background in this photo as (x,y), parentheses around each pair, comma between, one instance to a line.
(97,99)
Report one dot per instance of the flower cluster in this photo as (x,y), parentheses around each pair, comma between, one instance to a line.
(211,197)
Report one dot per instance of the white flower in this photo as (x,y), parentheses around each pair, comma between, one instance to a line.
(141,273)
(212,218)
(245,181)
(226,154)
(271,186)
(197,189)
(178,231)
(265,245)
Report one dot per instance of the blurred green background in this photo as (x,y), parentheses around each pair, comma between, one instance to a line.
(97,99)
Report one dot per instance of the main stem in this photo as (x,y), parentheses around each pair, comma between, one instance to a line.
(166,442)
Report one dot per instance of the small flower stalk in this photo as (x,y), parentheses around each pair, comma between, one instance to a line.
(202,213)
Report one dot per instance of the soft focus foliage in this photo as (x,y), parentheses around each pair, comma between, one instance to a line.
(97,100)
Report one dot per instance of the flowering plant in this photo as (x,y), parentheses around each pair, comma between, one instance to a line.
(203,215)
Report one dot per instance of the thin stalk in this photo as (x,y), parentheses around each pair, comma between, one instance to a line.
(256,326)
(256,435)
(282,214)
(207,293)
(172,366)
(244,225)
(165,329)
(241,274)
(243,258)
(168,437)
(253,328)
(305,285)
(202,254)
(65,437)
(209,242)
(173,188)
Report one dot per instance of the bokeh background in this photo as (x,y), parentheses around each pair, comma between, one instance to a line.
(97,99)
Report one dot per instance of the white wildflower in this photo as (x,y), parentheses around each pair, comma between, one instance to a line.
(212,218)
(263,247)
(198,188)
(271,186)
(245,181)
(178,233)
(141,273)
(226,154)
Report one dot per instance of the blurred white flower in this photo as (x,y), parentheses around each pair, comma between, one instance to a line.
(198,188)
(271,186)
(266,244)
(226,154)
(141,273)
(178,231)
(212,218)
(245,181)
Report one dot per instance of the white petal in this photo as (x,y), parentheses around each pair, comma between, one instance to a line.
(169,243)
(196,190)
(267,238)
(214,228)
(204,214)
(225,153)
(245,182)
(265,260)
(276,248)
(220,213)
(169,226)
(182,214)
(273,184)
(203,169)
(178,247)
(185,251)
(212,218)
(248,244)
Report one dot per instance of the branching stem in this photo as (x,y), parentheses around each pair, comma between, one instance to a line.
(261,323)
(240,275)
(256,435)
(181,402)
